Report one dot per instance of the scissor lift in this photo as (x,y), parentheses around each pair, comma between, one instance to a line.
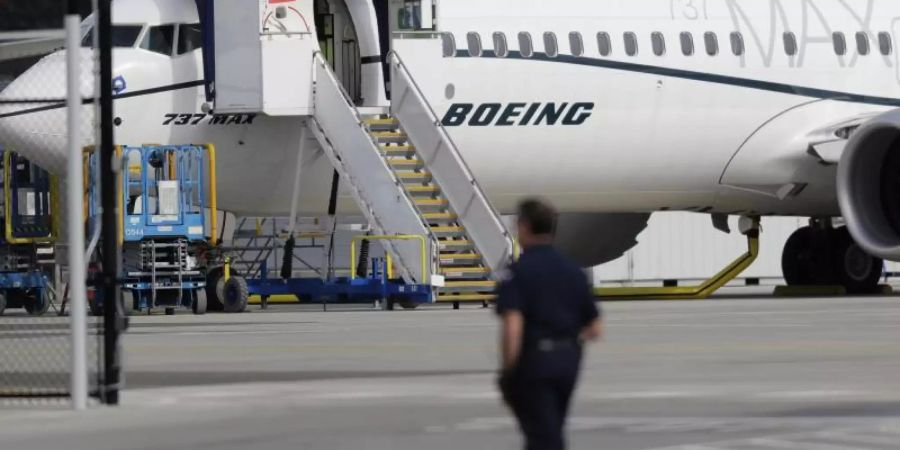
(163,225)
(28,234)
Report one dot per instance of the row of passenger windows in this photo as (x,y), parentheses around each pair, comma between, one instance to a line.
(657,41)
(159,39)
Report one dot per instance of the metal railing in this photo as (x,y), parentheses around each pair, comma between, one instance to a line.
(468,199)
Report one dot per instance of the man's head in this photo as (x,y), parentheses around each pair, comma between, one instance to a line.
(536,223)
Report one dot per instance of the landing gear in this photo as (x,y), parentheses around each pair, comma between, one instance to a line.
(820,255)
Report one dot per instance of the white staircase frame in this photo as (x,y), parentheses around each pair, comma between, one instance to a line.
(482,222)
(339,128)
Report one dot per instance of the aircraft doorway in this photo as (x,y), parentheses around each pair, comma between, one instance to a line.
(339,44)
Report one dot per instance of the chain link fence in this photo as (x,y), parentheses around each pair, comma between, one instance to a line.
(35,336)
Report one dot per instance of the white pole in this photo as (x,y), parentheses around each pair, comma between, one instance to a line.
(75,236)
(298,178)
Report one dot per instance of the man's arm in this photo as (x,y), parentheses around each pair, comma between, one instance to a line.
(512,326)
(593,316)
(592,332)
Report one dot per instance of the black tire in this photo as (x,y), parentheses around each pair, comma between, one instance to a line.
(2,302)
(170,311)
(236,295)
(127,302)
(215,287)
(408,304)
(37,303)
(95,306)
(797,263)
(856,270)
(200,302)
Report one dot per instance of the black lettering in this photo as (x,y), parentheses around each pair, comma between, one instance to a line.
(235,119)
(512,111)
(529,114)
(184,119)
(248,119)
(457,114)
(219,119)
(169,118)
(198,118)
(485,114)
(578,114)
(551,114)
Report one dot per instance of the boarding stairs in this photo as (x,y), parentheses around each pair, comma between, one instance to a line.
(410,179)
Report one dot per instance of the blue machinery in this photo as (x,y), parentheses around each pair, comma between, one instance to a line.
(168,236)
(163,224)
(29,199)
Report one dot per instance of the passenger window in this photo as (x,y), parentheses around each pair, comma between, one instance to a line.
(550,45)
(160,39)
(659,43)
(474,41)
(885,43)
(604,44)
(737,44)
(500,47)
(712,43)
(576,43)
(190,38)
(631,44)
(687,43)
(840,43)
(862,43)
(526,47)
(790,43)
(448,42)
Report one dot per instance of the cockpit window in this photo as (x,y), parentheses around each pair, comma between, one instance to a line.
(160,39)
(190,38)
(123,36)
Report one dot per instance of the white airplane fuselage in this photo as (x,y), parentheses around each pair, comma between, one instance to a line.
(664,131)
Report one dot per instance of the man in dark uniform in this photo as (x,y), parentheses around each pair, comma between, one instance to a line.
(547,312)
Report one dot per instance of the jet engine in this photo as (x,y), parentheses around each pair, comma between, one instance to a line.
(869,185)
(591,239)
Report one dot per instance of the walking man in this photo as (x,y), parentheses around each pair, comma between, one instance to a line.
(547,312)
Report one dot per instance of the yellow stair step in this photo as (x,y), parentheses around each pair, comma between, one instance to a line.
(423,188)
(447,229)
(410,175)
(401,162)
(459,256)
(381,121)
(388,134)
(397,149)
(432,202)
(455,243)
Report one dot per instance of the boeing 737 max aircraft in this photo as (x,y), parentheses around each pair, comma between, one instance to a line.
(612,109)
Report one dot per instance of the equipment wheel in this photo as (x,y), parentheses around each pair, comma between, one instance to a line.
(856,270)
(2,302)
(170,311)
(408,304)
(128,299)
(37,302)
(215,288)
(199,305)
(236,295)
(797,259)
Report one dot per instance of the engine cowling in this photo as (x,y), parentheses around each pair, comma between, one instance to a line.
(868,186)
(591,239)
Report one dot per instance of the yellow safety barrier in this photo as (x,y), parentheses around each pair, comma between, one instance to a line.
(699,292)
(389,260)
(7,197)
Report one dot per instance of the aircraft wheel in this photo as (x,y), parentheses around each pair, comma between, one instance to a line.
(199,305)
(236,295)
(797,259)
(856,270)
(37,303)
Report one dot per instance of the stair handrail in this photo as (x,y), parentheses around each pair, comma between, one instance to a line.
(417,90)
(318,58)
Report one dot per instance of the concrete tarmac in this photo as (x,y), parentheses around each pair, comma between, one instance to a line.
(728,373)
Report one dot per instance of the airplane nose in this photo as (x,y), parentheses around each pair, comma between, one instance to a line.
(33,113)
